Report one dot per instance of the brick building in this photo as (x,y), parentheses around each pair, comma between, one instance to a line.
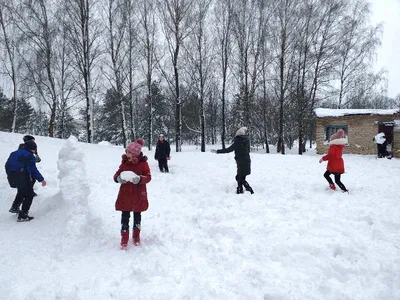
(360,125)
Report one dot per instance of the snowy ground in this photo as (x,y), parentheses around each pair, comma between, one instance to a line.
(292,239)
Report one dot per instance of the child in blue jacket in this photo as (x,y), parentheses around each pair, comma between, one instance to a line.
(21,171)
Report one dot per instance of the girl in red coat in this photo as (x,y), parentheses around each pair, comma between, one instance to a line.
(335,161)
(133,174)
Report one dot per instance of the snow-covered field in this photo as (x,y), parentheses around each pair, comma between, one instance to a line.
(292,239)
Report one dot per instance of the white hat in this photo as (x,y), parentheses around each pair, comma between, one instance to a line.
(241,131)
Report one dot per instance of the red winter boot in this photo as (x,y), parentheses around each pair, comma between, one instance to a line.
(136,236)
(332,187)
(124,238)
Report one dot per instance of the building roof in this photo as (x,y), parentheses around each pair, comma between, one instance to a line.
(328,112)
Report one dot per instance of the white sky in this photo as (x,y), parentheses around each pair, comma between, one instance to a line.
(388,12)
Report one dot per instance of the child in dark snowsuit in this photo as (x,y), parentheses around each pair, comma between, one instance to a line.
(241,146)
(21,170)
(335,161)
(133,174)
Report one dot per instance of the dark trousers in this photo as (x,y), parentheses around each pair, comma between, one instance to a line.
(24,196)
(337,179)
(125,216)
(163,165)
(241,181)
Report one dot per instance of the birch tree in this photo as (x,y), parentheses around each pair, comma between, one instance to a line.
(10,43)
(176,19)
(83,34)
(147,40)
(117,19)
(285,19)
(359,42)
(199,54)
(223,15)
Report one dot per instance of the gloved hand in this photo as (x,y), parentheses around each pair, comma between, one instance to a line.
(321,160)
(37,158)
(120,180)
(136,179)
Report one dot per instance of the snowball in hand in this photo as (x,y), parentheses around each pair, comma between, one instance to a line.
(128,175)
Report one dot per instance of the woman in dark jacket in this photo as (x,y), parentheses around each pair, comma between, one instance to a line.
(241,146)
(163,151)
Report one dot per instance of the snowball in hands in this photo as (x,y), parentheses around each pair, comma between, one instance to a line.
(130,176)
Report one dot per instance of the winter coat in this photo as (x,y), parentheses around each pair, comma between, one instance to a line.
(241,146)
(162,150)
(335,160)
(21,168)
(133,197)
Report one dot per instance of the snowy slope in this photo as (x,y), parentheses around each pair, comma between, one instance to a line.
(292,239)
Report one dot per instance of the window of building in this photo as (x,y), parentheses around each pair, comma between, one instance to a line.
(331,129)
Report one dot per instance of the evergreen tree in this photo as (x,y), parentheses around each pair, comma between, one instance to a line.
(25,114)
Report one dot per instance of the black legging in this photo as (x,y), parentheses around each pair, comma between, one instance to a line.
(241,180)
(163,165)
(24,196)
(337,179)
(125,216)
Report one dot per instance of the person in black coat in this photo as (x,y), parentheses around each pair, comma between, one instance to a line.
(241,146)
(163,151)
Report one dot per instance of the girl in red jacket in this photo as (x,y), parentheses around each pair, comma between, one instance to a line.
(133,174)
(335,161)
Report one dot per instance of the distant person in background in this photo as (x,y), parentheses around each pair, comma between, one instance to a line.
(21,170)
(27,138)
(335,161)
(241,146)
(162,154)
(133,174)
(381,142)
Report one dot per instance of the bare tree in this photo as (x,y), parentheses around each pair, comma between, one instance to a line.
(176,18)
(7,27)
(132,62)
(359,43)
(83,34)
(36,24)
(223,15)
(284,38)
(199,53)
(147,41)
(65,79)
(117,30)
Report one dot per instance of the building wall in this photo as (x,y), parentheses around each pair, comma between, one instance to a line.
(396,143)
(361,131)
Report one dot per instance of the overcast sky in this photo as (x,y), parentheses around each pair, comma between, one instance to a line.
(388,12)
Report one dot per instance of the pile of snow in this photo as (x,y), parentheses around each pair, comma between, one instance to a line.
(104,143)
(74,186)
(292,239)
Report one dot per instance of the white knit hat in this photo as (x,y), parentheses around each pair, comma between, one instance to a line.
(241,131)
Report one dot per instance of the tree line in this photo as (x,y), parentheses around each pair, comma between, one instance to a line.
(194,70)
